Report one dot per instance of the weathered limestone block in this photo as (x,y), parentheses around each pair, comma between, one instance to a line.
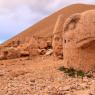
(10,53)
(57,36)
(79,41)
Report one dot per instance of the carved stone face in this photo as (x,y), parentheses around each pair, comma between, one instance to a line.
(79,41)
(57,37)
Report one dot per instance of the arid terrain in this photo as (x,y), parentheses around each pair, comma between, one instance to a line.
(29,66)
(41,77)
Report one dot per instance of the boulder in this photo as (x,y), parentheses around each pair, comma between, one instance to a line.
(49,52)
(41,51)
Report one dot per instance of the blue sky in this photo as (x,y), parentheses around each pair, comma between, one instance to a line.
(18,15)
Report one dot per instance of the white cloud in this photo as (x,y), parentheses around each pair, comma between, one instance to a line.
(39,4)
(57,4)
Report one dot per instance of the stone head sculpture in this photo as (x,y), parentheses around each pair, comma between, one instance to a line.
(57,37)
(79,41)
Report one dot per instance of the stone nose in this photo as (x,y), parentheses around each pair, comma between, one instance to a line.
(84,35)
(85,41)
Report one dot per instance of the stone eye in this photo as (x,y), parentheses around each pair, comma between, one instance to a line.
(57,38)
(64,40)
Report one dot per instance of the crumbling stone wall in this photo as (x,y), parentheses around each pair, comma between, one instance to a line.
(79,41)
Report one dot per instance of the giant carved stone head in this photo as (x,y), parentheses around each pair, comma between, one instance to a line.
(79,41)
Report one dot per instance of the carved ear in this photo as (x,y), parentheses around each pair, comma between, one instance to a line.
(71,22)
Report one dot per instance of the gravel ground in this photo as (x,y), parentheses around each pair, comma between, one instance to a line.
(41,76)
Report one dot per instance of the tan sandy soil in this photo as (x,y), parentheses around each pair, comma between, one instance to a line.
(40,76)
